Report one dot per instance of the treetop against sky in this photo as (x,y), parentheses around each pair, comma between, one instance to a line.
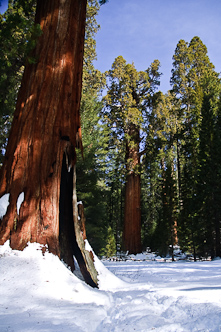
(147,30)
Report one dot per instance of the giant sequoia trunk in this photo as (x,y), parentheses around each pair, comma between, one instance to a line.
(40,156)
(132,210)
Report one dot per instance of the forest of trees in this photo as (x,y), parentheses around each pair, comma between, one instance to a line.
(150,171)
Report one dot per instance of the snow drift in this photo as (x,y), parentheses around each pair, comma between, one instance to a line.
(39,294)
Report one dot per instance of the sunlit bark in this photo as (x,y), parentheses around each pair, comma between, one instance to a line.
(40,156)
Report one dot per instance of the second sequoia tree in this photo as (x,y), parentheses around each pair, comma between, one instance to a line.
(126,105)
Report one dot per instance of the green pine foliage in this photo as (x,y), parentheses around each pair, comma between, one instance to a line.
(197,88)
(110,249)
(161,170)
(91,166)
(91,187)
(16,29)
(208,186)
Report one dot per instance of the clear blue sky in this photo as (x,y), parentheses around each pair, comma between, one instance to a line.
(144,30)
(3,5)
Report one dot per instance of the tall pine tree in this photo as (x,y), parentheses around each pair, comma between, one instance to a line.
(192,68)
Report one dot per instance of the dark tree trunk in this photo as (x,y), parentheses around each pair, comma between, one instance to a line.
(132,210)
(40,155)
(217,219)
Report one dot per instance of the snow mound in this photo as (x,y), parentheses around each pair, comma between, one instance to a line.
(49,275)
(39,294)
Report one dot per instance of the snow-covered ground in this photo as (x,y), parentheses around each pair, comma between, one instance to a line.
(39,294)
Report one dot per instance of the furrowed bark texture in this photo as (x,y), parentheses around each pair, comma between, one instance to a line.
(45,132)
(132,210)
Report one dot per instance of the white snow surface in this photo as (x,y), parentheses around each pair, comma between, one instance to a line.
(4,202)
(20,200)
(39,294)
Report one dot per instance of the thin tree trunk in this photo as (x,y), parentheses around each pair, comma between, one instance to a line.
(40,156)
(179,175)
(173,209)
(217,221)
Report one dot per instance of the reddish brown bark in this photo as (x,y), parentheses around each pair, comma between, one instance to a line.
(45,132)
(132,210)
